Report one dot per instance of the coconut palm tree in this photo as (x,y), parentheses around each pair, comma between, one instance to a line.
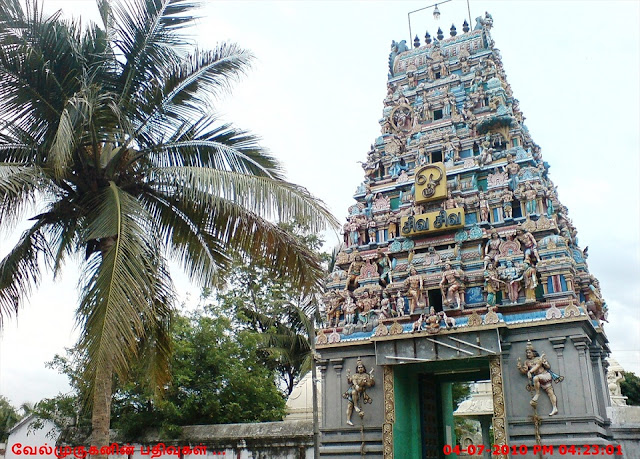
(109,145)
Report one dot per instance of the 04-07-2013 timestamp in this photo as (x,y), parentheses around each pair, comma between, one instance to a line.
(518,450)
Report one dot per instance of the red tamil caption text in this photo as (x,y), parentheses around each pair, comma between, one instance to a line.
(81,452)
(521,450)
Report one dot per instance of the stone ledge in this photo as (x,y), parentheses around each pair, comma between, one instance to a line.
(281,432)
(627,416)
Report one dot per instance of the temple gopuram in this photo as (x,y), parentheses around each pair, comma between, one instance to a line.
(459,264)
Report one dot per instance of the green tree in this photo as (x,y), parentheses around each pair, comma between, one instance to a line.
(217,377)
(630,388)
(268,304)
(8,418)
(107,133)
(460,391)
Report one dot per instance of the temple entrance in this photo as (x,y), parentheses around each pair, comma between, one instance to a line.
(429,414)
(424,395)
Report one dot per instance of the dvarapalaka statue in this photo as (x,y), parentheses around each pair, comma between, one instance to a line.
(538,370)
(357,392)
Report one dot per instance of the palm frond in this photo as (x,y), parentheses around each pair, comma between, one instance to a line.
(12,151)
(63,234)
(270,199)
(216,146)
(73,119)
(20,270)
(156,346)
(147,39)
(237,221)
(181,227)
(11,11)
(39,66)
(121,289)
(20,186)
(184,90)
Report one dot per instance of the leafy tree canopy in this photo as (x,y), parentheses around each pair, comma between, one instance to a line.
(264,302)
(218,376)
(110,150)
(8,418)
(630,388)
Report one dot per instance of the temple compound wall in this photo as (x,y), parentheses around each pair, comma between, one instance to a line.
(459,263)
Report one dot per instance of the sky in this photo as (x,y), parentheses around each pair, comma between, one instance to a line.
(314,96)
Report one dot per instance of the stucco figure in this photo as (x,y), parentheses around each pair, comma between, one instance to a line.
(451,286)
(349,309)
(483,205)
(356,394)
(514,281)
(529,278)
(529,244)
(333,302)
(384,267)
(414,289)
(432,321)
(400,305)
(491,283)
(491,248)
(353,272)
(539,373)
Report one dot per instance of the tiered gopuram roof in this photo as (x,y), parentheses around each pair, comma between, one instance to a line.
(456,211)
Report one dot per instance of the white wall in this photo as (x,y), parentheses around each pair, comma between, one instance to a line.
(22,436)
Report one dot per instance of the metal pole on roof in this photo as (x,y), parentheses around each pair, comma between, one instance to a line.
(424,8)
(436,7)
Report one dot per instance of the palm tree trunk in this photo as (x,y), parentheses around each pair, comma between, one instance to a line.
(101,413)
(102,392)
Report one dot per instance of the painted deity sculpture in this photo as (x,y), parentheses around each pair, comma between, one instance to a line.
(353,232)
(371,230)
(432,321)
(451,286)
(393,227)
(450,202)
(530,278)
(539,373)
(492,283)
(529,243)
(366,305)
(512,168)
(483,205)
(507,206)
(513,278)
(486,156)
(414,289)
(386,311)
(345,232)
(333,301)
(596,307)
(530,195)
(551,197)
(384,268)
(400,305)
(349,309)
(491,248)
(356,394)
(353,272)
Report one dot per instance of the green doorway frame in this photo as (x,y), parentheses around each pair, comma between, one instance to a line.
(402,385)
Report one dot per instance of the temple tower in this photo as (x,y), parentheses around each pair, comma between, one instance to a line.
(459,263)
